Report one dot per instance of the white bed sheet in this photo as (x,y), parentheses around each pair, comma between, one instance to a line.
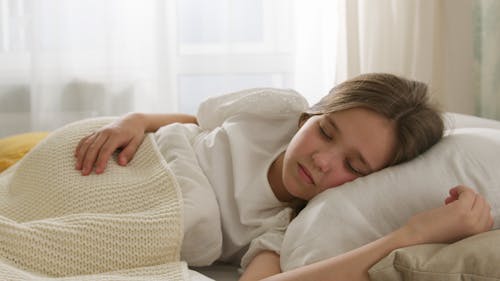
(224,272)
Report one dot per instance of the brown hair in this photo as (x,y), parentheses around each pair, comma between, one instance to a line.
(418,123)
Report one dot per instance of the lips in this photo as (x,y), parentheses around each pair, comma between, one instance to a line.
(305,175)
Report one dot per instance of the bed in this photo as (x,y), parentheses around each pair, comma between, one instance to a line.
(294,254)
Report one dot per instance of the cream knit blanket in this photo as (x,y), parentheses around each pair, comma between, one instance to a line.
(125,224)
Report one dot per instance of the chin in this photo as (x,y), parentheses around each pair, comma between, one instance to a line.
(304,196)
(295,191)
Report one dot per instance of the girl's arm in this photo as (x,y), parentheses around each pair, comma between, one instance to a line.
(465,213)
(352,265)
(127,133)
(264,264)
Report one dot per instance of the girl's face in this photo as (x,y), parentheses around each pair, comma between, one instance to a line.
(331,149)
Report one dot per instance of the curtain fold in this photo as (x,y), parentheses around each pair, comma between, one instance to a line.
(487,57)
(401,37)
(450,44)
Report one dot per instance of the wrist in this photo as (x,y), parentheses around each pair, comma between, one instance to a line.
(407,236)
(139,119)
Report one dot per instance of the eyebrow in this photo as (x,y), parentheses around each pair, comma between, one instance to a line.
(339,132)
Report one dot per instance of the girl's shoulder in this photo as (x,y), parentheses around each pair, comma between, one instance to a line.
(261,101)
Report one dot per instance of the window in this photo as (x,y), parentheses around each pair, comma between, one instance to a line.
(229,45)
(61,61)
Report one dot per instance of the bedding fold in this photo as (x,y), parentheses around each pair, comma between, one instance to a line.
(125,224)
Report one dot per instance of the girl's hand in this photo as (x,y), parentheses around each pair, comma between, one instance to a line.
(95,149)
(465,213)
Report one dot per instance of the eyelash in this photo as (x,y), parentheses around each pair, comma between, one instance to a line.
(348,165)
(324,134)
(351,168)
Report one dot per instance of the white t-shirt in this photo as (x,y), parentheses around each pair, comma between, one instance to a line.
(222,167)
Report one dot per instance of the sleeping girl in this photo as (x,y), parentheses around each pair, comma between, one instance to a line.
(250,160)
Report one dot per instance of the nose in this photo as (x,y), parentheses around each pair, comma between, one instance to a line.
(326,161)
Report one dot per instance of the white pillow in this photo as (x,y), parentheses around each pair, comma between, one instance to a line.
(351,215)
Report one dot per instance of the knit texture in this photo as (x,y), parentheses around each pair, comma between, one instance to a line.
(125,224)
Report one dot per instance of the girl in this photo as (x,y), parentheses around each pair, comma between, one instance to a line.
(249,159)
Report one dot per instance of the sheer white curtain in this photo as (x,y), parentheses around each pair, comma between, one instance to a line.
(61,61)
(415,39)
(316,34)
(66,60)
(388,35)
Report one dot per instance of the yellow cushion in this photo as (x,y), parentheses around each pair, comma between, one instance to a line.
(14,147)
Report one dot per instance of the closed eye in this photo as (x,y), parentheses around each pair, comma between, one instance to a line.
(353,170)
(324,133)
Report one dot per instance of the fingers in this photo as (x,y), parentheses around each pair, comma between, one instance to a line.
(450,199)
(463,195)
(105,153)
(129,151)
(80,143)
(95,150)
(473,209)
(81,150)
(481,212)
(453,195)
(91,149)
(467,213)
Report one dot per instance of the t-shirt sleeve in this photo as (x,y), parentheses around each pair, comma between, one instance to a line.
(262,101)
(269,241)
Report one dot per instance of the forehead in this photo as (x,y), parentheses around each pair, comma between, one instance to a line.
(365,132)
